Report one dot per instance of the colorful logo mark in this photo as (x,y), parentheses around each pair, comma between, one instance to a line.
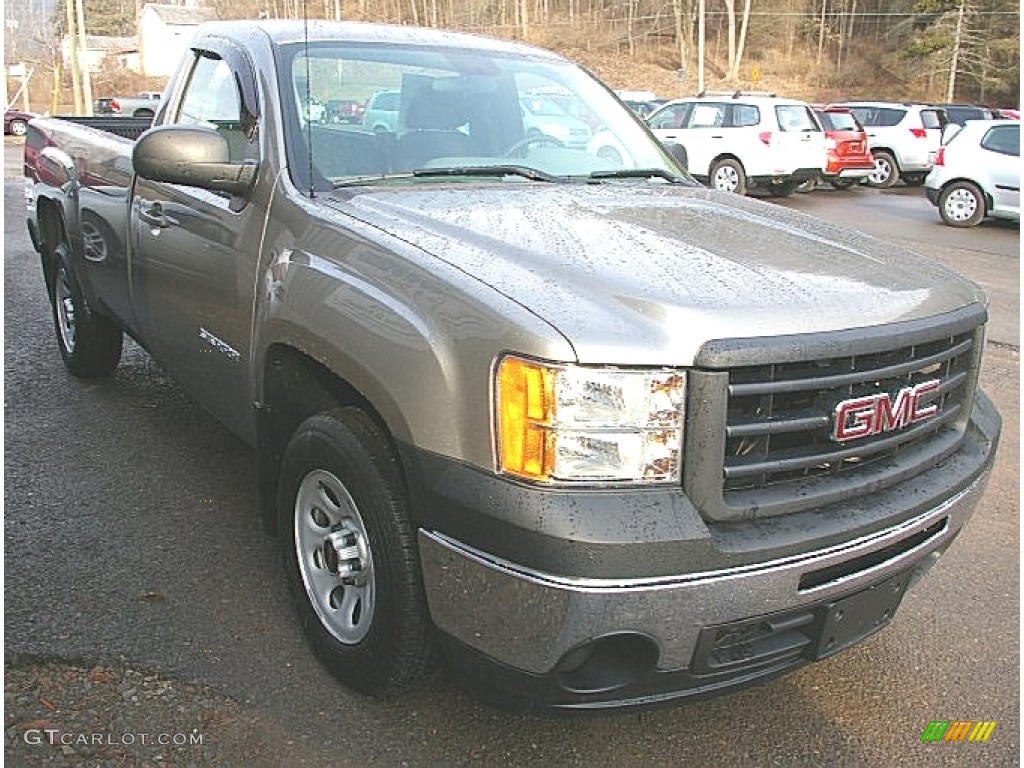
(958,730)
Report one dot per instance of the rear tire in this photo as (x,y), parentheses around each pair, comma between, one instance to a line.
(886,171)
(962,204)
(727,175)
(350,553)
(89,343)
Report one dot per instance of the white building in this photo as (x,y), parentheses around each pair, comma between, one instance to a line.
(100,50)
(164,34)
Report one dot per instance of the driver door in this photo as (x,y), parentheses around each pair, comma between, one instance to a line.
(196,251)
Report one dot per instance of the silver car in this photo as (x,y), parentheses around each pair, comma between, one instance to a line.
(977,174)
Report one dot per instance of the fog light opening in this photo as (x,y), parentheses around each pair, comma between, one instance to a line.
(607,663)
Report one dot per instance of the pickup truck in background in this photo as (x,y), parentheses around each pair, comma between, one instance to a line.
(606,437)
(145,104)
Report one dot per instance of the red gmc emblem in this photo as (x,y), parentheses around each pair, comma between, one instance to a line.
(874,414)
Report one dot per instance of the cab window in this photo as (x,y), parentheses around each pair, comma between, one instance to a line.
(211,99)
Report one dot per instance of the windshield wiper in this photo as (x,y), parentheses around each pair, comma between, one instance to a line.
(368,180)
(487,170)
(637,173)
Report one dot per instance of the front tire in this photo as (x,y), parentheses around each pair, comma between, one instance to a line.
(886,171)
(962,204)
(727,175)
(350,553)
(89,343)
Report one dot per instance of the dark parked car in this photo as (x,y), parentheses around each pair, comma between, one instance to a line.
(961,113)
(16,122)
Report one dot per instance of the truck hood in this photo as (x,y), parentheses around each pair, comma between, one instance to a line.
(646,274)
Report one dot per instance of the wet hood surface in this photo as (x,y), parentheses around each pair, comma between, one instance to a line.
(645,274)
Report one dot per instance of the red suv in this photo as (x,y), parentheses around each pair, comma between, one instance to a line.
(849,159)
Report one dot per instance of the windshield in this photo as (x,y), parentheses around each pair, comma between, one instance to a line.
(430,108)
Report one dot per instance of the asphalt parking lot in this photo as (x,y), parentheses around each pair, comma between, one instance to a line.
(142,597)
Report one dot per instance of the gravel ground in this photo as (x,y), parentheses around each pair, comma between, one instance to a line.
(63,714)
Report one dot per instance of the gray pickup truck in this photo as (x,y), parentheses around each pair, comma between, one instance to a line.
(605,437)
(145,104)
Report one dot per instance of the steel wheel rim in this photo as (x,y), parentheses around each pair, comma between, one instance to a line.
(334,557)
(726,179)
(961,205)
(65,305)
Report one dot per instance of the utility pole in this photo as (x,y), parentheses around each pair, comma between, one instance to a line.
(700,47)
(83,51)
(957,37)
(76,82)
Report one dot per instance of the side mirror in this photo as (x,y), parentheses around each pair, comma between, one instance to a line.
(678,152)
(193,156)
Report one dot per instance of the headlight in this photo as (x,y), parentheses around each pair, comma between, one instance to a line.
(570,423)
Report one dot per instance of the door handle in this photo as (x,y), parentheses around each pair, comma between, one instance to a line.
(154,216)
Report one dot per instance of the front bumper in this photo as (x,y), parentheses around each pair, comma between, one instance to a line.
(553,634)
(518,636)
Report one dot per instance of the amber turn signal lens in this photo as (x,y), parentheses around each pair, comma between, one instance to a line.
(525,403)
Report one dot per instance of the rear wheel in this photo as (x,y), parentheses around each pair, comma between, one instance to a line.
(886,171)
(727,175)
(89,343)
(350,555)
(962,204)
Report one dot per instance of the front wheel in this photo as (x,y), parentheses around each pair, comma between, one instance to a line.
(727,175)
(962,204)
(89,343)
(351,557)
(886,171)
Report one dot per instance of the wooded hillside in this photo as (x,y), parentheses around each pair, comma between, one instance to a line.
(821,50)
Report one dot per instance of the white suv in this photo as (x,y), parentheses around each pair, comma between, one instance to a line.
(736,141)
(903,139)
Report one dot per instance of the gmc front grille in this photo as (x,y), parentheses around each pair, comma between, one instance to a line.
(778,451)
